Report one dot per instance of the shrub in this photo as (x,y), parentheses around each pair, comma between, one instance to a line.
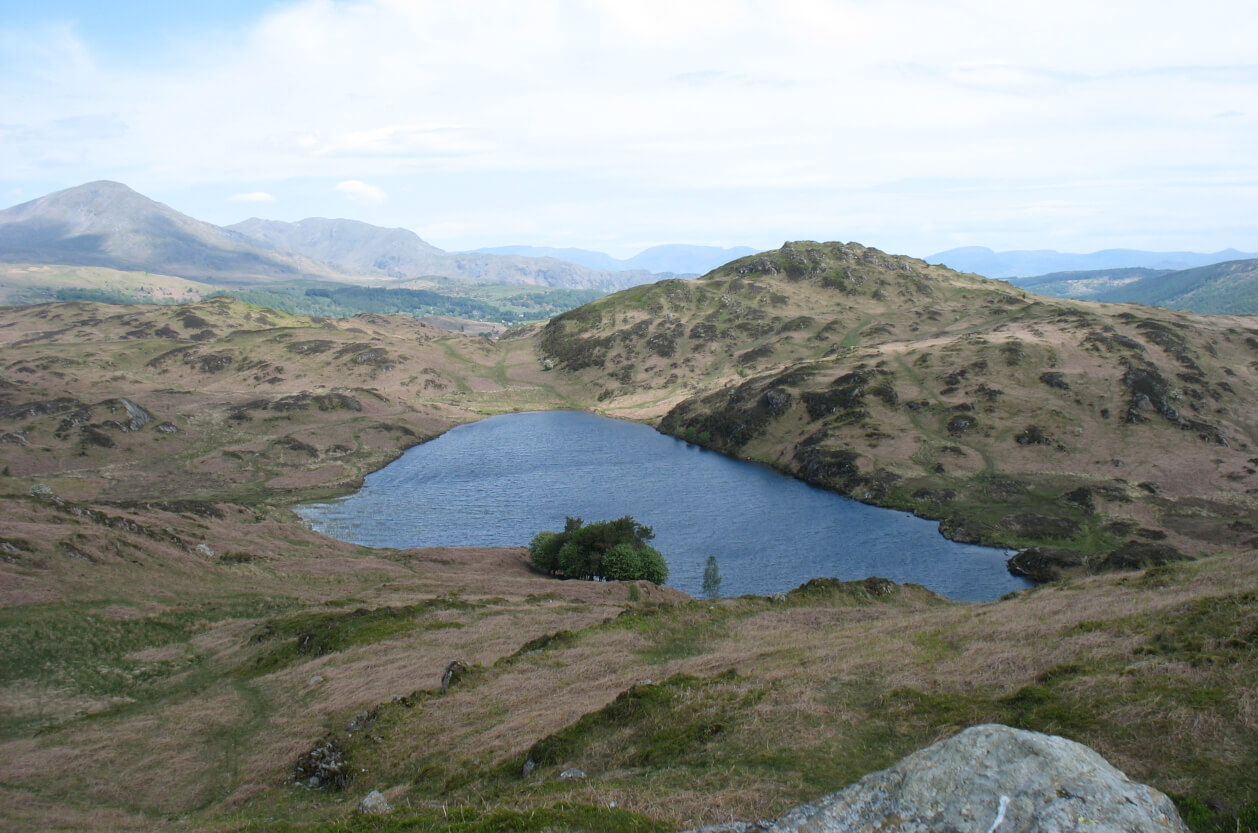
(614,550)
(544,550)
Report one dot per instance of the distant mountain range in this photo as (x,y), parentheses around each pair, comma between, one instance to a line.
(676,258)
(107,224)
(1229,287)
(363,249)
(1019,264)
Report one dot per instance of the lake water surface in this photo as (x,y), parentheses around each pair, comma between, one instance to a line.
(500,481)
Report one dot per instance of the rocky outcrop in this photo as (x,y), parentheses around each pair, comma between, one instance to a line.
(1045,563)
(987,779)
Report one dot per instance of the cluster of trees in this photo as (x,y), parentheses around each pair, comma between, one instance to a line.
(612,550)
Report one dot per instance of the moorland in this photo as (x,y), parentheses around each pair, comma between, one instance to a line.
(181,651)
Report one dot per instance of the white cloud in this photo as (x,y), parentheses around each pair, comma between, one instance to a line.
(661,116)
(359,191)
(253,196)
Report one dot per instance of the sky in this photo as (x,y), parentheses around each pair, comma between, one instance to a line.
(915,127)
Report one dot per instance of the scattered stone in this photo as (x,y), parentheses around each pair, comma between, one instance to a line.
(362,720)
(987,779)
(324,767)
(168,428)
(137,417)
(453,673)
(374,804)
(572,774)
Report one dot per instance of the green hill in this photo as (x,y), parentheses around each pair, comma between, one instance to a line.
(1016,419)
(1220,288)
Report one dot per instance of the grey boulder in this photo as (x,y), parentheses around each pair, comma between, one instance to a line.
(987,779)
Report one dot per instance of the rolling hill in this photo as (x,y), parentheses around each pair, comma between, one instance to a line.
(1017,419)
(181,652)
(1230,287)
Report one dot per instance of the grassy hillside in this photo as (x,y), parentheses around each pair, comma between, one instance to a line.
(25,283)
(1230,287)
(1087,285)
(1016,419)
(1217,289)
(432,298)
(239,401)
(171,666)
(177,644)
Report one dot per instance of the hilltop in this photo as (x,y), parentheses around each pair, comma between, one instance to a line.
(108,224)
(1017,419)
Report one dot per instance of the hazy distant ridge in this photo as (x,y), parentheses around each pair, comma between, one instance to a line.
(398,253)
(107,224)
(674,258)
(1015,264)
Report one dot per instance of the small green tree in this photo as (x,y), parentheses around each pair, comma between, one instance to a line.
(544,550)
(614,550)
(711,579)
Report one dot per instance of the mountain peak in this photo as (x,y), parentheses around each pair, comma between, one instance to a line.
(106,223)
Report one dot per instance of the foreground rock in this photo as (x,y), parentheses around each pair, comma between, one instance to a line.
(988,779)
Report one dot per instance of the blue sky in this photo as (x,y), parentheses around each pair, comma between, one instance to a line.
(911,126)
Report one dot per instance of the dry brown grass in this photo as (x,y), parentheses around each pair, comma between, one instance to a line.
(824,668)
(833,685)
